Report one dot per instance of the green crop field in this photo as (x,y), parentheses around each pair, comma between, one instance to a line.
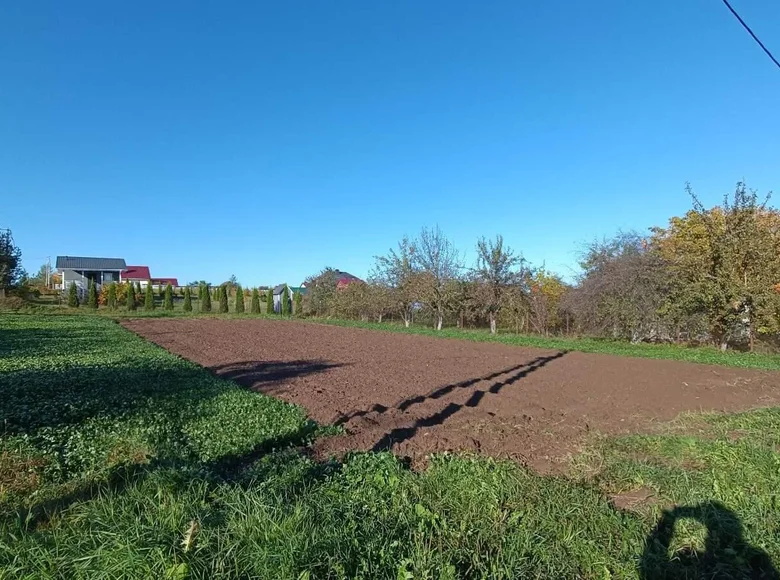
(120,460)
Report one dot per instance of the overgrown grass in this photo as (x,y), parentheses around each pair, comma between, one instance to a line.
(153,434)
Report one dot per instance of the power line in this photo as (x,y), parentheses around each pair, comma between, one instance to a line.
(746,27)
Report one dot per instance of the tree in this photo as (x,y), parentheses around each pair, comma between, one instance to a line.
(726,262)
(255,307)
(269,301)
(298,300)
(622,290)
(205,302)
(397,274)
(149,297)
(222,293)
(168,298)
(92,300)
(321,291)
(239,299)
(545,295)
(11,271)
(73,295)
(130,300)
(497,269)
(111,302)
(285,301)
(187,299)
(138,290)
(440,264)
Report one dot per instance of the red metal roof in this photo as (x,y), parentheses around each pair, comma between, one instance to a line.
(171,281)
(136,273)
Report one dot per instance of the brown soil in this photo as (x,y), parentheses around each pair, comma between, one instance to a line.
(417,395)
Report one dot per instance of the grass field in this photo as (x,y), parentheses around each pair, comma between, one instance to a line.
(118,459)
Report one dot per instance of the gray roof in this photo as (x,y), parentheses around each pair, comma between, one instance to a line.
(81,263)
(279,289)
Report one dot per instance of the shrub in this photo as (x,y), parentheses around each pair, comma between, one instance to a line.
(149,298)
(269,301)
(92,301)
(168,299)
(73,296)
(138,290)
(111,300)
(285,301)
(255,308)
(205,302)
(239,300)
(298,299)
(130,300)
(187,300)
(223,298)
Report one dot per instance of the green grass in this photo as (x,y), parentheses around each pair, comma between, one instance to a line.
(119,459)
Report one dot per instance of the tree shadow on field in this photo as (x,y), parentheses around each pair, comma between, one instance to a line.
(401,434)
(266,376)
(726,554)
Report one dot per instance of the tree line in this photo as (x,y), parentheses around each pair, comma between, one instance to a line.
(710,276)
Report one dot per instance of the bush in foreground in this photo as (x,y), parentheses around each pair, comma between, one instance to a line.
(269,301)
(111,300)
(205,299)
(222,292)
(92,300)
(285,298)
(149,297)
(187,300)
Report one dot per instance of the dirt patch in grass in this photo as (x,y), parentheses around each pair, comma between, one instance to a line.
(417,395)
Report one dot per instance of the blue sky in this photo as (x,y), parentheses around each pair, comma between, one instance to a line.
(268,140)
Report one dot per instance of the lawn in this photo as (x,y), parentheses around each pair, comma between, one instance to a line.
(118,459)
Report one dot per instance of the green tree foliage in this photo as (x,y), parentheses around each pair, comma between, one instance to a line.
(285,301)
(168,298)
(111,301)
(321,291)
(269,301)
(222,292)
(205,302)
(397,274)
(255,307)
(149,297)
(11,271)
(298,300)
(92,300)
(73,295)
(138,290)
(130,299)
(239,299)
(187,300)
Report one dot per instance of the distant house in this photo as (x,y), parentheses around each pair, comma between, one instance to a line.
(277,291)
(80,270)
(163,282)
(343,279)
(136,274)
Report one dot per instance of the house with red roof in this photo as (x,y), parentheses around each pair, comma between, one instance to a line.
(142,275)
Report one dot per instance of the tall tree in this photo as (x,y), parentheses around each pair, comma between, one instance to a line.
(10,262)
(92,300)
(111,302)
(545,294)
(205,303)
(497,270)
(149,297)
(130,300)
(138,290)
(168,298)
(269,301)
(398,275)
(73,295)
(239,299)
(187,299)
(726,262)
(440,265)
(285,301)
(222,293)
(321,291)
(255,307)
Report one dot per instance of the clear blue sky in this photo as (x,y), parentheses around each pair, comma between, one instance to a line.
(271,139)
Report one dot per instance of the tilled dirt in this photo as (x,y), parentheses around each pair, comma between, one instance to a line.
(416,395)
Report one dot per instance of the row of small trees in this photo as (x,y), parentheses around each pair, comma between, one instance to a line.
(712,275)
